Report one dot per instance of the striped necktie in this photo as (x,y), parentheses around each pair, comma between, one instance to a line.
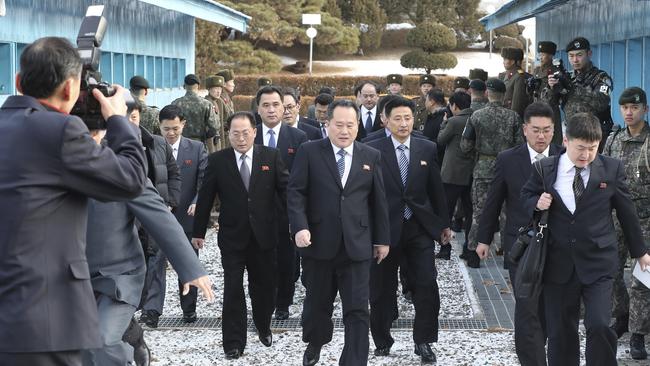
(404,172)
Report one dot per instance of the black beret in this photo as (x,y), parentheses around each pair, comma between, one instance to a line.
(547,47)
(478,85)
(427,79)
(461,82)
(394,78)
(192,79)
(138,82)
(579,43)
(263,82)
(496,85)
(512,53)
(478,74)
(634,95)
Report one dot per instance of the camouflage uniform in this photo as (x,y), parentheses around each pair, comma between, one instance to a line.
(590,92)
(201,119)
(488,132)
(516,97)
(421,113)
(541,72)
(217,102)
(478,104)
(149,119)
(633,151)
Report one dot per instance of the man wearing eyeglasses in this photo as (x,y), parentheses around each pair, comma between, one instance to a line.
(292,117)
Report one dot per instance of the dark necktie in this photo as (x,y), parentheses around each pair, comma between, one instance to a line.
(272,139)
(244,172)
(369,122)
(323,129)
(578,184)
(404,172)
(340,164)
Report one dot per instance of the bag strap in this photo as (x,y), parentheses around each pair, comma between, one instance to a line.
(543,220)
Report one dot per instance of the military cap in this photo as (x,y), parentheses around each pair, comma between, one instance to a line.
(512,53)
(138,82)
(394,78)
(226,74)
(192,79)
(580,43)
(496,85)
(546,47)
(461,82)
(427,79)
(478,85)
(478,74)
(214,80)
(634,95)
(263,82)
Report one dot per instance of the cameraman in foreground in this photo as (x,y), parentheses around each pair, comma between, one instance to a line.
(586,89)
(49,166)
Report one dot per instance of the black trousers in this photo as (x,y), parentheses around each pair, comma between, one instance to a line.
(454,193)
(530,328)
(261,267)
(286,254)
(188,302)
(61,358)
(415,247)
(321,279)
(562,302)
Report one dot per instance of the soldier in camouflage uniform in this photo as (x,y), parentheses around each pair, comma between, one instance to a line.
(488,132)
(427,82)
(546,51)
(226,94)
(139,88)
(477,90)
(515,78)
(394,84)
(201,120)
(630,145)
(214,84)
(587,90)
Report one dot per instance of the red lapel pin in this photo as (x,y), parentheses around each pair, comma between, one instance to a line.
(602,185)
(265,168)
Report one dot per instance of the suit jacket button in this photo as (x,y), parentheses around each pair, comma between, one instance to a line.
(573,222)
(342,198)
(573,240)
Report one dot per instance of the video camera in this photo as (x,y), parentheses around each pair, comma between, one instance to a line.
(89,39)
(557,71)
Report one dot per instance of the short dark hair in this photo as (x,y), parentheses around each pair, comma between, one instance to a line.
(461,100)
(269,89)
(364,83)
(130,107)
(45,64)
(538,109)
(288,91)
(327,90)
(399,101)
(584,126)
(436,95)
(381,106)
(241,114)
(342,103)
(324,99)
(171,112)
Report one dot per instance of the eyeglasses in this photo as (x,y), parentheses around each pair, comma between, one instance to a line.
(290,107)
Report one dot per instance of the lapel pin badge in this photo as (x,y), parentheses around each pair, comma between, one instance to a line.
(265,168)
(602,185)
(366,167)
(290,150)
(188,162)
(423,163)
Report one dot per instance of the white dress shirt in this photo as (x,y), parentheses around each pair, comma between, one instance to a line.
(364,115)
(533,153)
(564,182)
(348,160)
(248,160)
(267,135)
(407,151)
(175,147)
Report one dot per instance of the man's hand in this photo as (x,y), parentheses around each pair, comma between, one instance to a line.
(114,105)
(198,243)
(191,209)
(482,250)
(544,201)
(445,237)
(303,238)
(379,252)
(202,283)
(552,81)
(644,262)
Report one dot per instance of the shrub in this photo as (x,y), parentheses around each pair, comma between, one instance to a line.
(419,59)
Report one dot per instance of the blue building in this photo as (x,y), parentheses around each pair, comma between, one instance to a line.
(152,38)
(618,30)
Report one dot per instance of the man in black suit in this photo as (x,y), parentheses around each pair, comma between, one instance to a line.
(273,133)
(321,103)
(580,188)
(512,169)
(369,119)
(418,217)
(246,178)
(292,117)
(49,166)
(338,212)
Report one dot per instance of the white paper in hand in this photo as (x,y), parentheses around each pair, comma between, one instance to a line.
(643,276)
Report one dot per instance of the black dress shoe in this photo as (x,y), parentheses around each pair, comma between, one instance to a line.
(266,338)
(189,317)
(311,356)
(152,319)
(426,354)
(637,347)
(142,354)
(620,325)
(382,351)
(281,314)
(445,252)
(233,354)
(473,261)
(143,317)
